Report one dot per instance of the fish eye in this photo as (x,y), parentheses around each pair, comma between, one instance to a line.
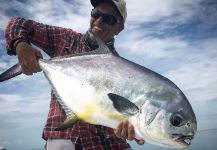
(176,120)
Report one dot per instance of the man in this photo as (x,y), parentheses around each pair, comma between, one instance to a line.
(107,20)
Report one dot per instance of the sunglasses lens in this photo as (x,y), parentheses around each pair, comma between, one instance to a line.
(106,18)
(109,19)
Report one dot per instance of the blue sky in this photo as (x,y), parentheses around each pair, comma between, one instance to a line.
(176,38)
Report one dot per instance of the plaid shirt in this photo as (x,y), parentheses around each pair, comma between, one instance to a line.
(56,41)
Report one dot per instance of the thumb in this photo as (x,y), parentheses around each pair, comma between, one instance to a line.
(39,55)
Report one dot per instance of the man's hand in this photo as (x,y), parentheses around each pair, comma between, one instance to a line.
(28,58)
(125,130)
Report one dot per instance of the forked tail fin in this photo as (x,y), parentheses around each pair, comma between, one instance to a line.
(11,72)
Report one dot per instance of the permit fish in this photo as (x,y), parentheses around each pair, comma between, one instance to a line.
(102,88)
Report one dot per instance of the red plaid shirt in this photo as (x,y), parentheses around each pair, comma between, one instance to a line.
(56,41)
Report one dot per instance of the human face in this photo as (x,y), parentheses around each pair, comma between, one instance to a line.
(102,29)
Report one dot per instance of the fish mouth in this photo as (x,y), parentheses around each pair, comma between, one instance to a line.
(184,140)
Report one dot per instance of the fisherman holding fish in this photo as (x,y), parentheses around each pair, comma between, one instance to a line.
(107,20)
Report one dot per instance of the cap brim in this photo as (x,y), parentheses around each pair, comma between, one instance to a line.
(96,2)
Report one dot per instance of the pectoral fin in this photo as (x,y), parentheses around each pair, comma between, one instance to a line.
(123,105)
(67,123)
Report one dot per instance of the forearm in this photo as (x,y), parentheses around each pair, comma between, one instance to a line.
(15,31)
(41,35)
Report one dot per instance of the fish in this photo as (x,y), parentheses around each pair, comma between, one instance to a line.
(102,88)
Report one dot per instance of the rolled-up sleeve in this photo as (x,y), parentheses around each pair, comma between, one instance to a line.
(43,36)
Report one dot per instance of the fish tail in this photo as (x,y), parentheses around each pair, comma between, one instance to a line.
(11,72)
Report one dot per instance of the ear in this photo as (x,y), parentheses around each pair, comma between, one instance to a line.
(120,28)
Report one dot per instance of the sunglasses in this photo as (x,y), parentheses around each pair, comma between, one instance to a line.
(106,18)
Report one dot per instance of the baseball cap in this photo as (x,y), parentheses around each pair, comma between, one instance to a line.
(119,4)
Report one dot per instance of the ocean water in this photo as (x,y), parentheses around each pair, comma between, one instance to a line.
(204,140)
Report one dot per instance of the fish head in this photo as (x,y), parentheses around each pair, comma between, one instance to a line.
(168,122)
(180,122)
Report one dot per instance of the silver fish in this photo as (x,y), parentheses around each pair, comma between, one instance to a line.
(102,88)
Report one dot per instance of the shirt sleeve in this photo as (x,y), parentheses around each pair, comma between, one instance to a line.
(41,35)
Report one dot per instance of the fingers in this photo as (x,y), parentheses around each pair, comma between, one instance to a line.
(28,59)
(119,129)
(35,66)
(125,130)
(131,132)
(26,70)
(31,67)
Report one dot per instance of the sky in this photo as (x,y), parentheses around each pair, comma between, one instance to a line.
(176,38)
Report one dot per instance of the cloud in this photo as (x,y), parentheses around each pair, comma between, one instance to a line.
(198,70)
(3,64)
(23,104)
(8,9)
(198,76)
(4,19)
(189,19)
(70,14)
(153,47)
(25,95)
(153,10)
(9,103)
(73,14)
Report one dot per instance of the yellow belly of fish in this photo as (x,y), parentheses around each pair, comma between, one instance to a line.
(92,113)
